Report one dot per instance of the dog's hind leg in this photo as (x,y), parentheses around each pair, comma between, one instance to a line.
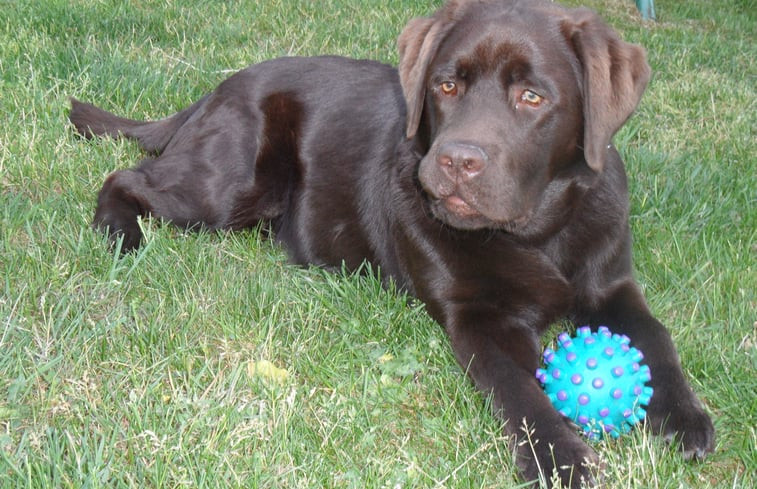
(119,205)
(168,187)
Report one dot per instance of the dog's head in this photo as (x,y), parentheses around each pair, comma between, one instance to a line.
(509,97)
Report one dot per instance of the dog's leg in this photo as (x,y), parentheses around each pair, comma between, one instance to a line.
(501,359)
(674,411)
(167,188)
(155,188)
(119,205)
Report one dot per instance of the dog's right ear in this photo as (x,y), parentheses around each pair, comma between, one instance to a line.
(418,45)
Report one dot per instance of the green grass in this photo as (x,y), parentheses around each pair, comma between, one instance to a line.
(139,372)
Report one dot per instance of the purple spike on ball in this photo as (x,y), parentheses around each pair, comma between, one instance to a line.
(614,399)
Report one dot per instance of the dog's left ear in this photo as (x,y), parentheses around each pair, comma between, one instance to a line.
(615,74)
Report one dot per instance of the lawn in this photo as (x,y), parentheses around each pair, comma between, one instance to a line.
(206,360)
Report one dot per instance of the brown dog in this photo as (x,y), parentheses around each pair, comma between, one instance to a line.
(480,176)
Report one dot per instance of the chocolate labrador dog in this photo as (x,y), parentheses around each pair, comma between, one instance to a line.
(479,176)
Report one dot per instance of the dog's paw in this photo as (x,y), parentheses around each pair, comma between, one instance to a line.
(684,422)
(691,428)
(560,459)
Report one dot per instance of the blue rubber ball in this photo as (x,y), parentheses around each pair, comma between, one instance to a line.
(598,381)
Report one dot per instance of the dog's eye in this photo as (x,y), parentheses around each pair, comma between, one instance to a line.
(531,98)
(448,88)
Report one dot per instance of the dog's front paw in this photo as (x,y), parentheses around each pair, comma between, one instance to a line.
(681,419)
(558,458)
(692,428)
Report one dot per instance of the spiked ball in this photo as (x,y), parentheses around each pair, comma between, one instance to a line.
(597,380)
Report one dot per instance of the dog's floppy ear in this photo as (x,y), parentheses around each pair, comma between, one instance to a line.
(615,74)
(417,45)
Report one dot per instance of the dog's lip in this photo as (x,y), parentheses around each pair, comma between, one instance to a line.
(459,207)
(455,204)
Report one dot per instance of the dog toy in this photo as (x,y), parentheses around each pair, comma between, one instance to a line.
(597,380)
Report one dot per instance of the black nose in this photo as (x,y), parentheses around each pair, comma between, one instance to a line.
(460,160)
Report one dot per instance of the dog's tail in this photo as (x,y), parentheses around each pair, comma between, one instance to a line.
(152,136)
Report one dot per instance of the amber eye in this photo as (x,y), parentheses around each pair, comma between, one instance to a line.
(531,98)
(448,88)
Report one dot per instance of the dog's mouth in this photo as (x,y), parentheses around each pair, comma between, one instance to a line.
(458,212)
(459,207)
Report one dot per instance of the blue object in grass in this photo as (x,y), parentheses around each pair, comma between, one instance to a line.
(597,380)
(646,7)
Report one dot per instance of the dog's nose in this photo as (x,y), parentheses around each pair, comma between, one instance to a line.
(459,160)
